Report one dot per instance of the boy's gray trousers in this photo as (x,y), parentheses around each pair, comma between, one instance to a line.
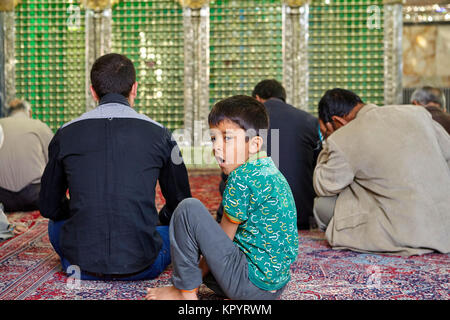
(194,232)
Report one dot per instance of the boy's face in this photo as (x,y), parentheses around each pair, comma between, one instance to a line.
(229,145)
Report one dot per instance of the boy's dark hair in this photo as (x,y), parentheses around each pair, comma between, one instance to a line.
(269,88)
(337,102)
(113,73)
(245,111)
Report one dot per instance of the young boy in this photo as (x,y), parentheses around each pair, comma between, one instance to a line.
(247,256)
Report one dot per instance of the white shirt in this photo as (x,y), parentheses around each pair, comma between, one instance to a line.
(23,152)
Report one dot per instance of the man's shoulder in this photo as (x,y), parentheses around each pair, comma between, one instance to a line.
(436,111)
(288,113)
(116,111)
(25,122)
(255,174)
(371,118)
(41,124)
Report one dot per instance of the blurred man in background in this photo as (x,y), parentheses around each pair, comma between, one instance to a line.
(23,157)
(433,99)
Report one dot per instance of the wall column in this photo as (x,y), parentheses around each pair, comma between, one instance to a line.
(98,38)
(295,52)
(196,67)
(7,60)
(393,66)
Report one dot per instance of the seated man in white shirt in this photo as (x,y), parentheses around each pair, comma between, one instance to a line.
(23,155)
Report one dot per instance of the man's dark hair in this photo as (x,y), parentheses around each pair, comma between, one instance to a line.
(113,73)
(269,88)
(337,102)
(245,111)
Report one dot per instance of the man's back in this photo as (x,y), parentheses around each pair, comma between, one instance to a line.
(23,154)
(297,153)
(110,160)
(390,167)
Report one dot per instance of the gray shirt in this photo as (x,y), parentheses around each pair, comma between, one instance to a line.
(24,152)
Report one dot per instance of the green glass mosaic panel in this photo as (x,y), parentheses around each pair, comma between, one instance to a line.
(50,55)
(245,45)
(150,33)
(344,51)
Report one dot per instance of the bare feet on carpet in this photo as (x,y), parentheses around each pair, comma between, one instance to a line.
(19,228)
(169,293)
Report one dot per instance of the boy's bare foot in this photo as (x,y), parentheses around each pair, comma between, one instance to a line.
(170,293)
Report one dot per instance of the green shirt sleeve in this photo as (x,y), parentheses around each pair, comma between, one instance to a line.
(236,199)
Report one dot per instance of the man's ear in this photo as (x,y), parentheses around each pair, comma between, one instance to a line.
(339,120)
(94,94)
(255,144)
(259,99)
(134,89)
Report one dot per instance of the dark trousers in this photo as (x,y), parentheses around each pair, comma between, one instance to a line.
(222,184)
(160,264)
(26,199)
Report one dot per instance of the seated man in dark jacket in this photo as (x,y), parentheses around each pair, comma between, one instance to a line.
(297,145)
(110,160)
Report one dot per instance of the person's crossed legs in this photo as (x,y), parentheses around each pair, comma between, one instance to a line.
(194,232)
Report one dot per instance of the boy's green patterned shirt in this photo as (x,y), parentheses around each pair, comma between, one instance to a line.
(258,198)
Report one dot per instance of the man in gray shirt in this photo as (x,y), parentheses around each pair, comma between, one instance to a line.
(23,156)
(432,99)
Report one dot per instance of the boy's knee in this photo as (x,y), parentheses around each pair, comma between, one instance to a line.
(192,201)
(188,203)
(189,208)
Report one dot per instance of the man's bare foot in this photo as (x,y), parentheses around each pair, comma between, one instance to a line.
(19,229)
(170,293)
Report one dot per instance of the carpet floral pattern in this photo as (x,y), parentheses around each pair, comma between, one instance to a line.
(30,269)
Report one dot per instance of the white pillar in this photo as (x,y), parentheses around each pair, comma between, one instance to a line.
(393,66)
(98,39)
(196,67)
(295,52)
(7,59)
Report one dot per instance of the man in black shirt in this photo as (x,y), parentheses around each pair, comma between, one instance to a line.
(110,159)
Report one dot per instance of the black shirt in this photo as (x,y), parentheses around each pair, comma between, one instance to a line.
(110,159)
(297,153)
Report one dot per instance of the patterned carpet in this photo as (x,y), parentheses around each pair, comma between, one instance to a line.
(30,270)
